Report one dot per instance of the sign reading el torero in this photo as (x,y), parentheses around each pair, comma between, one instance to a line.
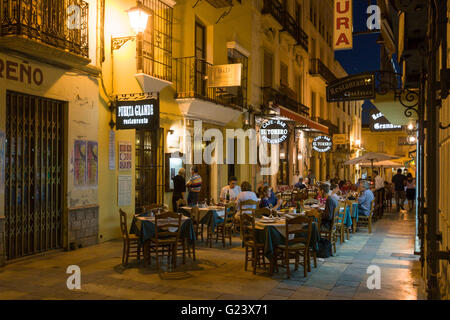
(351,88)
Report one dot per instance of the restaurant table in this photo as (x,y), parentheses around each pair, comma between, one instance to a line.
(273,234)
(144,228)
(211,216)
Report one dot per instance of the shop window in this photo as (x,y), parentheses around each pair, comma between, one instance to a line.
(240,93)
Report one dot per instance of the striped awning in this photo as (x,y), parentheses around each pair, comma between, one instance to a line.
(303,121)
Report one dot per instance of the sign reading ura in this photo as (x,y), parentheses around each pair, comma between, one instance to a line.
(322,144)
(352,88)
(140,114)
(343,25)
(274,131)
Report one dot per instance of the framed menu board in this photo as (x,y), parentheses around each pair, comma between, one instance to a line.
(125,156)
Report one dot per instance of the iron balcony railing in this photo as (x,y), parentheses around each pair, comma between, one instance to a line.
(191,82)
(278,98)
(332,128)
(62,24)
(289,24)
(317,67)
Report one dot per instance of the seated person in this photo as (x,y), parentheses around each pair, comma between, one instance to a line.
(330,204)
(232,189)
(334,190)
(299,184)
(265,196)
(245,195)
(274,201)
(365,199)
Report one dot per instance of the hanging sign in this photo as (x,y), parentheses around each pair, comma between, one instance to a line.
(339,138)
(378,122)
(225,75)
(322,144)
(140,114)
(274,131)
(352,88)
(343,25)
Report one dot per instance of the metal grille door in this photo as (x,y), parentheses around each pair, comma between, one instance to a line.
(33,174)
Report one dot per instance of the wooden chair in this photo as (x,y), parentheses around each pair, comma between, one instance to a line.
(367,220)
(198,226)
(296,247)
(249,204)
(131,242)
(331,233)
(225,229)
(165,238)
(345,229)
(318,218)
(354,222)
(250,243)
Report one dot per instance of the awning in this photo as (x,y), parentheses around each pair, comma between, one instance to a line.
(308,123)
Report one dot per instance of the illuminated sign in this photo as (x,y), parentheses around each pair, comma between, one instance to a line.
(378,122)
(322,144)
(343,25)
(225,75)
(340,138)
(141,114)
(352,88)
(274,131)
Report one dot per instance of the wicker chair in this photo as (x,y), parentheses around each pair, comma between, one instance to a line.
(296,247)
(364,221)
(131,242)
(250,243)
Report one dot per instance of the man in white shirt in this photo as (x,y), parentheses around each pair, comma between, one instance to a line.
(232,188)
(379,194)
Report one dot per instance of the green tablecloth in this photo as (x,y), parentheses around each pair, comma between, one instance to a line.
(271,238)
(146,229)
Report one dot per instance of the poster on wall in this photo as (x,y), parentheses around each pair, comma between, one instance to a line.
(92,163)
(79,162)
(2,160)
(125,156)
(112,150)
(124,191)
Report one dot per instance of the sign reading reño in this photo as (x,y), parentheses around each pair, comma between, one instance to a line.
(343,25)
(225,75)
(274,131)
(141,114)
(352,88)
(322,144)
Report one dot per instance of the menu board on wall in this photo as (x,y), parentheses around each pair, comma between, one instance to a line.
(92,163)
(125,156)
(124,191)
(112,150)
(79,162)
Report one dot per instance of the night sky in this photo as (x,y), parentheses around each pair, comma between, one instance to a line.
(365,55)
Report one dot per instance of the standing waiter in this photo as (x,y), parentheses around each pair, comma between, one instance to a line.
(379,194)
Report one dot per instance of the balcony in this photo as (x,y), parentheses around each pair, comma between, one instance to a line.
(288,23)
(45,29)
(281,99)
(332,128)
(197,100)
(317,67)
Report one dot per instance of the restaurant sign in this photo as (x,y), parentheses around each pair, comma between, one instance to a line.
(378,122)
(352,88)
(139,114)
(274,131)
(322,144)
(343,25)
(225,75)
(339,138)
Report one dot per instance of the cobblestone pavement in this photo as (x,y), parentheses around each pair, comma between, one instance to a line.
(219,273)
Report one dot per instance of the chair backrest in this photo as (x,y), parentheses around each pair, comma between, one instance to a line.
(165,221)
(372,207)
(342,212)
(317,215)
(154,207)
(248,227)
(336,218)
(296,225)
(195,215)
(247,207)
(230,211)
(123,224)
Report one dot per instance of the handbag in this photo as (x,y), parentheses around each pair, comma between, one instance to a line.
(325,248)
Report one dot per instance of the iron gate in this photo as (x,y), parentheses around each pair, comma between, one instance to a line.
(34,174)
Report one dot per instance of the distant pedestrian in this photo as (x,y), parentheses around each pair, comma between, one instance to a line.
(399,181)
(410,191)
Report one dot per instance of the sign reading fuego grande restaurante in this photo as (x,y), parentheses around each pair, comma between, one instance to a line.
(274,131)
(343,25)
(352,88)
(140,114)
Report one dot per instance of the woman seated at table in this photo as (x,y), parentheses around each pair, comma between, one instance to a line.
(265,196)
(245,195)
(330,204)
